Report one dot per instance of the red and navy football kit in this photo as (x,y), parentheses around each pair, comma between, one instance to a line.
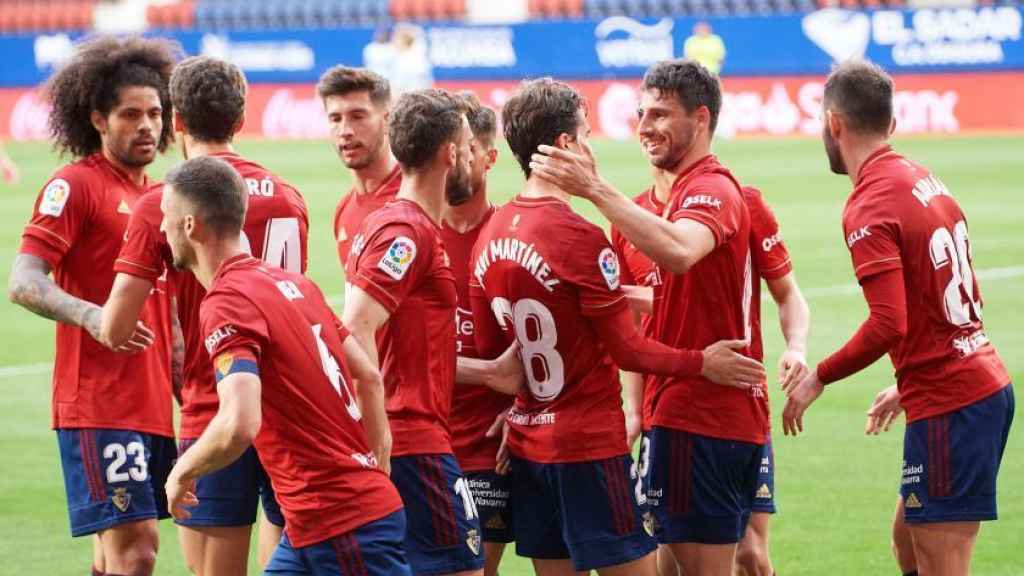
(706,440)
(116,441)
(275,230)
(543,276)
(474,408)
(399,260)
(354,207)
(342,514)
(911,252)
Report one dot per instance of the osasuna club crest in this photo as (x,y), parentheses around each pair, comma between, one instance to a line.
(122,499)
(473,541)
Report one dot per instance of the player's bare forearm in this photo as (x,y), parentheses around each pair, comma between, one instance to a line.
(794,313)
(634,385)
(31,287)
(123,308)
(370,395)
(503,374)
(177,353)
(473,371)
(231,431)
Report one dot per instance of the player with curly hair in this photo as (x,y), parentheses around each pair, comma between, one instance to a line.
(112,407)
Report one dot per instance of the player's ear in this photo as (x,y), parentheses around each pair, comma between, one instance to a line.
(835,124)
(99,121)
(451,154)
(563,140)
(892,126)
(703,117)
(492,158)
(179,123)
(238,126)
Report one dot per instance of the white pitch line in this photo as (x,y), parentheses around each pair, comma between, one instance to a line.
(989,274)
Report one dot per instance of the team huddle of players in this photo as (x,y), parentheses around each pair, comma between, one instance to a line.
(469,396)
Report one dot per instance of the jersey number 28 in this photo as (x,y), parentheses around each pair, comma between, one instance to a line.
(953,249)
(534,327)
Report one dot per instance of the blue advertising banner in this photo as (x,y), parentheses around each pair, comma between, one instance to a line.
(927,40)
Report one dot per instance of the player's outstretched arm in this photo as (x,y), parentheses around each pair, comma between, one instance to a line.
(675,246)
(370,394)
(634,352)
(795,321)
(31,287)
(885,327)
(229,434)
(119,322)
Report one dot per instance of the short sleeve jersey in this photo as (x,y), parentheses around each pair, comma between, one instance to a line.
(276,230)
(902,217)
(401,263)
(639,270)
(311,442)
(354,207)
(77,226)
(544,272)
(769,256)
(474,408)
(708,303)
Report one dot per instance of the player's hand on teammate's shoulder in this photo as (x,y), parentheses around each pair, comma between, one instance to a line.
(792,367)
(573,172)
(883,411)
(723,365)
(799,397)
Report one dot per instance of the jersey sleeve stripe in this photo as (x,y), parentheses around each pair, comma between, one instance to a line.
(131,264)
(877,262)
(50,233)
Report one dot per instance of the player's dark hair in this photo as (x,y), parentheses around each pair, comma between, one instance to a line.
(421,122)
(690,83)
(92,80)
(482,119)
(538,113)
(209,94)
(861,92)
(342,80)
(215,191)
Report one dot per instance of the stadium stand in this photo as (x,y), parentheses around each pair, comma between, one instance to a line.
(32,16)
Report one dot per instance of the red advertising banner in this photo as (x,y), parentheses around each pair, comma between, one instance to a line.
(924,104)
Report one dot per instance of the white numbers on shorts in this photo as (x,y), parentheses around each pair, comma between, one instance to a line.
(462,491)
(534,327)
(334,374)
(139,471)
(953,248)
(282,245)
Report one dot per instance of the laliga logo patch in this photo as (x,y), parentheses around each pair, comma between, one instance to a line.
(55,196)
(398,258)
(609,264)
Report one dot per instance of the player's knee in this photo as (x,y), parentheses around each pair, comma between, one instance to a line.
(141,542)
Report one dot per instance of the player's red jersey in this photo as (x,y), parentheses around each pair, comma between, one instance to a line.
(770,260)
(276,229)
(708,303)
(354,207)
(543,271)
(311,440)
(639,270)
(902,216)
(474,408)
(77,227)
(399,260)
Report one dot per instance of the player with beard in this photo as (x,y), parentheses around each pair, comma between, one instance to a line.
(400,300)
(111,110)
(356,101)
(545,277)
(208,95)
(911,254)
(290,381)
(706,441)
(475,408)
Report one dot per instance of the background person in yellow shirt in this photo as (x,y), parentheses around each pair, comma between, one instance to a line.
(705,47)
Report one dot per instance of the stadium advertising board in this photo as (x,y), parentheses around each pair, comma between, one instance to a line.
(932,40)
(925,103)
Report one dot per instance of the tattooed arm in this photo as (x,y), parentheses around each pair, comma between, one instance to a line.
(31,287)
(177,353)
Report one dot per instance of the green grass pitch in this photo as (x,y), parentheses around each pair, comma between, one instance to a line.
(835,487)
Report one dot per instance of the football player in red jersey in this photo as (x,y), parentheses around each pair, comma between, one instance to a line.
(111,110)
(400,300)
(475,408)
(771,263)
(547,278)
(285,370)
(208,95)
(911,254)
(356,101)
(706,441)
